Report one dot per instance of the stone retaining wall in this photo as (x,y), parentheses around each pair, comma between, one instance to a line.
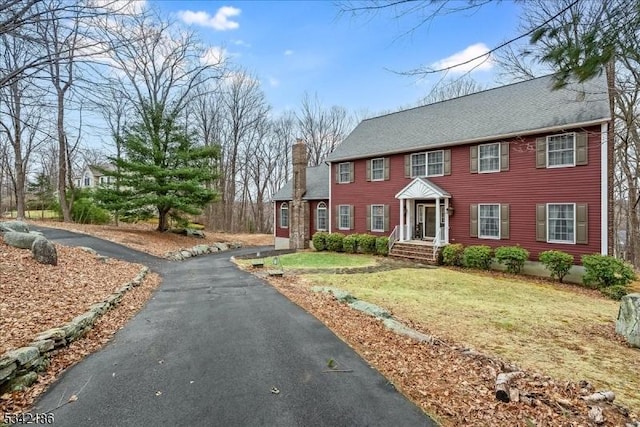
(198,250)
(19,367)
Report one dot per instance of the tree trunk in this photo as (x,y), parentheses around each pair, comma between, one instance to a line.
(19,190)
(62,162)
(611,83)
(163,219)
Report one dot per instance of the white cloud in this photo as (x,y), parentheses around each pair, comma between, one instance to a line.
(288,52)
(220,21)
(214,55)
(478,50)
(273,82)
(241,43)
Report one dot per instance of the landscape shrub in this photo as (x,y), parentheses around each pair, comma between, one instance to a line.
(452,254)
(477,256)
(350,243)
(513,257)
(615,292)
(320,241)
(557,262)
(334,242)
(602,271)
(367,243)
(382,246)
(85,211)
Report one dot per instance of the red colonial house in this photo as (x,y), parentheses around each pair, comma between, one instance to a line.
(519,164)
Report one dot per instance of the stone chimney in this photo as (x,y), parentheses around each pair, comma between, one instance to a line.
(299,211)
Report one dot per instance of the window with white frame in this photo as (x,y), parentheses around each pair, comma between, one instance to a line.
(321,217)
(561,150)
(489,221)
(377,217)
(344,172)
(561,223)
(284,215)
(418,164)
(87,181)
(435,163)
(344,217)
(489,158)
(377,169)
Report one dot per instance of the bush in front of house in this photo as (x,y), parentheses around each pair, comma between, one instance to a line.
(557,262)
(452,254)
(615,292)
(350,243)
(382,246)
(610,275)
(513,257)
(367,243)
(334,242)
(477,256)
(85,211)
(320,241)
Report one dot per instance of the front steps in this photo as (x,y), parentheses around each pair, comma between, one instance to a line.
(420,251)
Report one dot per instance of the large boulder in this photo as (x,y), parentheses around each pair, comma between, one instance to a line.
(19,239)
(19,226)
(44,252)
(628,322)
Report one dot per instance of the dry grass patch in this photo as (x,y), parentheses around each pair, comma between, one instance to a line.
(557,330)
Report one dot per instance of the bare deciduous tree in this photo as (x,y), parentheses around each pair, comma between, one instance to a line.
(321,128)
(452,88)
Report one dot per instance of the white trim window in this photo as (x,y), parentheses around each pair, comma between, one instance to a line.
(561,223)
(321,217)
(489,221)
(435,163)
(344,173)
(344,217)
(377,169)
(284,215)
(87,181)
(561,150)
(418,164)
(489,158)
(377,218)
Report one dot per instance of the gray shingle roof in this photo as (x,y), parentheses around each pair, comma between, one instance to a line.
(317,185)
(515,109)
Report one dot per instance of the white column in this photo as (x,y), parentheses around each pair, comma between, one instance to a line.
(446,221)
(437,242)
(410,220)
(402,201)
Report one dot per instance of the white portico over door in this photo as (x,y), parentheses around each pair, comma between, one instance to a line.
(423,212)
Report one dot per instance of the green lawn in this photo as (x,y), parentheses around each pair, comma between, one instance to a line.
(313,260)
(542,327)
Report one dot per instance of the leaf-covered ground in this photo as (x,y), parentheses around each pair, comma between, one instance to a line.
(35,297)
(145,238)
(454,388)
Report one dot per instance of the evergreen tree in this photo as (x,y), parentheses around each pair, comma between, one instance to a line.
(162,167)
(42,189)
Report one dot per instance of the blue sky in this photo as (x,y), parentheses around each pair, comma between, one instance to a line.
(294,47)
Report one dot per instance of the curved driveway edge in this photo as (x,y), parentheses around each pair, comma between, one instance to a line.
(217,346)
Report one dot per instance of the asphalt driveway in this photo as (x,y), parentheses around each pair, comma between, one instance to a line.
(217,346)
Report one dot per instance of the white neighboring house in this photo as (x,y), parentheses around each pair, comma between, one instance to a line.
(91,177)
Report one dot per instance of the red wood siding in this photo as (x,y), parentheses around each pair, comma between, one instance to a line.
(522,187)
(281,232)
(313,205)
